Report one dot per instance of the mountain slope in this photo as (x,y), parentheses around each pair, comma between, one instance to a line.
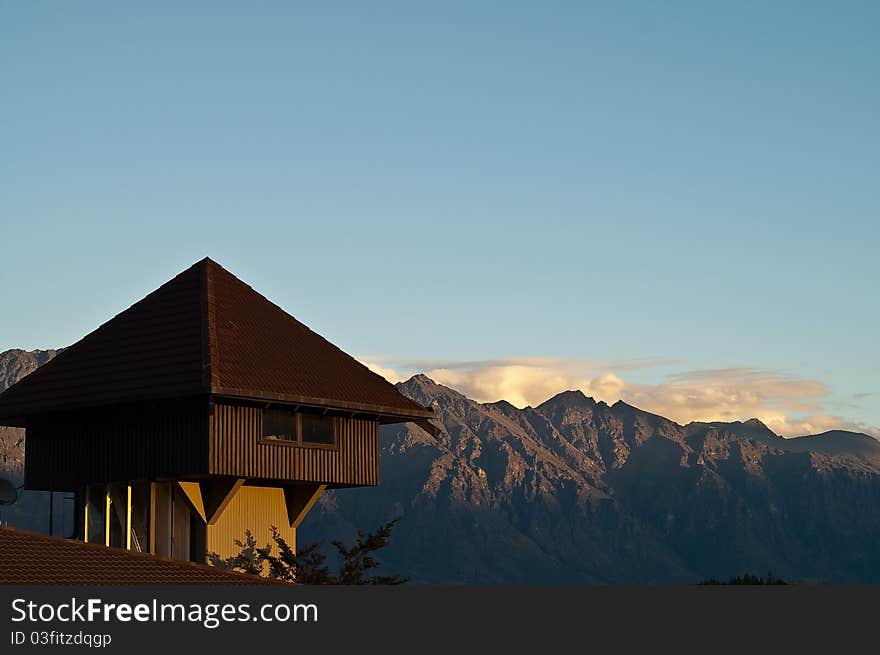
(14,365)
(853,445)
(31,512)
(490,501)
(578,491)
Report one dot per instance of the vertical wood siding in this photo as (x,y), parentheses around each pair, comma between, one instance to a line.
(236,449)
(256,509)
(66,452)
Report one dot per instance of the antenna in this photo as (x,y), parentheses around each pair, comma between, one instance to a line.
(8,492)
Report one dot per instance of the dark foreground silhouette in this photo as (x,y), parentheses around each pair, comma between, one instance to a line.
(309,565)
(748,579)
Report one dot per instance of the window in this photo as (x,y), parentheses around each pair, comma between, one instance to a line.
(280,424)
(314,428)
(298,427)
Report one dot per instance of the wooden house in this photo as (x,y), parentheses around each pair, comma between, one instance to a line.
(199,412)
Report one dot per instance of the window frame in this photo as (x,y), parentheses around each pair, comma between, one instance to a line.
(298,442)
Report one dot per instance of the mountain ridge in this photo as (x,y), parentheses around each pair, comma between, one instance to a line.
(576,490)
(579,491)
(16,363)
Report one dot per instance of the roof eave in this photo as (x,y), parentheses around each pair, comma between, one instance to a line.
(398,414)
(11,421)
(18,416)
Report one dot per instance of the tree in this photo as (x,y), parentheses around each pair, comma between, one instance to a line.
(305,567)
(358,559)
(249,560)
(309,564)
(747,579)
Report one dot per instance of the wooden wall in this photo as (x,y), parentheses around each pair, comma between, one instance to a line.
(188,440)
(253,508)
(238,449)
(64,452)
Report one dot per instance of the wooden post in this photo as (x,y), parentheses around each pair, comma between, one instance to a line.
(128,517)
(152,519)
(107,515)
(86,515)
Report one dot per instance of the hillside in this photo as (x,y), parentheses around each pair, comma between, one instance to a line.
(575,490)
(578,491)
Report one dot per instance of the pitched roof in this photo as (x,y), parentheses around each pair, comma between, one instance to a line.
(31,558)
(204,332)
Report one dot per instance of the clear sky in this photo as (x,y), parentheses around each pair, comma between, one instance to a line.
(671,202)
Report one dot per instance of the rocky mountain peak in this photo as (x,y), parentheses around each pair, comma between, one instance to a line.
(16,363)
(571,399)
(577,491)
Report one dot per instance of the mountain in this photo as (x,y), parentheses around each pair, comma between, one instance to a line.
(31,511)
(834,442)
(576,490)
(14,365)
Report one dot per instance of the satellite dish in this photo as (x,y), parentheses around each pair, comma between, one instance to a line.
(8,492)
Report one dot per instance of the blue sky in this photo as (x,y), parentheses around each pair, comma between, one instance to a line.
(511,195)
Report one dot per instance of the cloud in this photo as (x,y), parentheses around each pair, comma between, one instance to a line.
(389,374)
(519,380)
(728,394)
(790,406)
(545,362)
(787,405)
(525,385)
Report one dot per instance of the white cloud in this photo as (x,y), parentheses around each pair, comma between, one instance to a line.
(790,406)
(524,385)
(389,374)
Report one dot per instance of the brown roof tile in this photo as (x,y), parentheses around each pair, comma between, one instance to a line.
(204,332)
(31,558)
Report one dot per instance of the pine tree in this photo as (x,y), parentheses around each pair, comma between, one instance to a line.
(308,565)
(358,559)
(249,560)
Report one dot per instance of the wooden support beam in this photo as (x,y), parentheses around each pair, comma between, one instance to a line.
(193,493)
(152,519)
(128,517)
(299,499)
(217,494)
(428,427)
(107,515)
(86,515)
